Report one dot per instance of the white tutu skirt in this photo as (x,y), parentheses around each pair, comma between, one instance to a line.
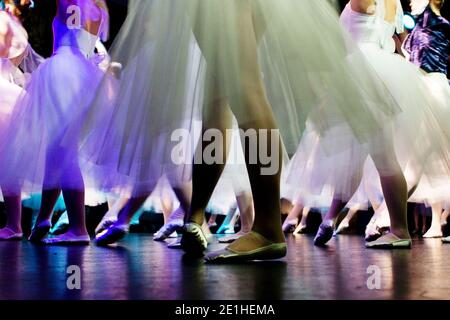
(419,134)
(434,185)
(60,91)
(179,56)
(163,193)
(9,94)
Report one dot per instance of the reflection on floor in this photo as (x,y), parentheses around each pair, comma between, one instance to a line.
(139,268)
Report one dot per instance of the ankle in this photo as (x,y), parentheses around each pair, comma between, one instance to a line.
(14,228)
(78,231)
(401,233)
(271,235)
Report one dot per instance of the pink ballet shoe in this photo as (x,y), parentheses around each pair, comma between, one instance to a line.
(7,234)
(67,239)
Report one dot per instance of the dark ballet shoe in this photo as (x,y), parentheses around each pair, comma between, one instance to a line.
(111,235)
(324,234)
(194,241)
(39,232)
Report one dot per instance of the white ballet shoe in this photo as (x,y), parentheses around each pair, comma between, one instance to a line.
(174,244)
(168,230)
(446,240)
(7,234)
(343,228)
(433,233)
(301,229)
(67,239)
(289,225)
(389,241)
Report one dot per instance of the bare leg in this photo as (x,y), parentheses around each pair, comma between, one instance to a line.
(74,200)
(206,176)
(424,220)
(435,230)
(395,191)
(245,204)
(303,225)
(48,201)
(13,228)
(416,219)
(444,217)
(291,221)
(345,223)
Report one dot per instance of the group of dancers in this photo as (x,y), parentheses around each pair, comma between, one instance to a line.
(354,114)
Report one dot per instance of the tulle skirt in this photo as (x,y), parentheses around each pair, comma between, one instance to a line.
(418,136)
(435,187)
(9,94)
(181,56)
(60,91)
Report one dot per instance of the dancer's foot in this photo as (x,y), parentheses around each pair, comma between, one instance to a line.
(104,225)
(39,231)
(325,233)
(7,234)
(390,241)
(175,244)
(232,237)
(226,229)
(61,226)
(68,238)
(168,229)
(194,241)
(252,246)
(343,228)
(433,232)
(289,225)
(446,240)
(301,229)
(111,235)
(444,222)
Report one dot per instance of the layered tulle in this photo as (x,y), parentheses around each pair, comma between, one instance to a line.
(418,134)
(60,90)
(181,56)
(435,183)
(9,94)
